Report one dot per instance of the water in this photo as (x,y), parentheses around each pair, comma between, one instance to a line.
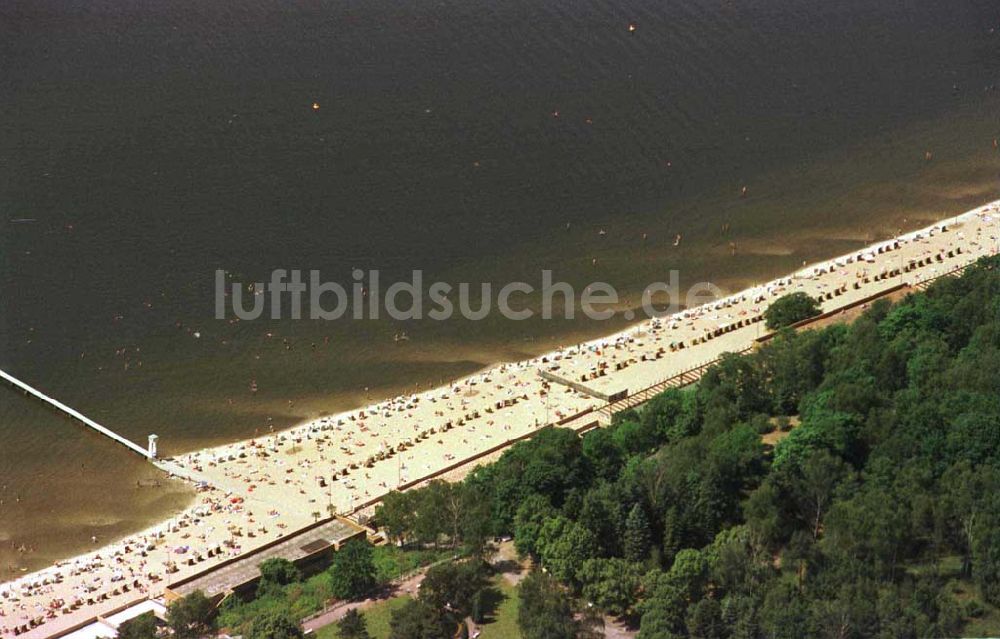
(142,146)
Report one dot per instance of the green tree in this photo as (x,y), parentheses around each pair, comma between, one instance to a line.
(352,572)
(821,473)
(397,513)
(563,546)
(603,454)
(454,586)
(986,565)
(964,490)
(441,512)
(663,413)
(638,538)
(192,616)
(275,573)
(603,513)
(635,437)
(789,309)
(142,627)
(664,609)
(417,620)
(274,624)
(352,626)
(689,573)
(544,610)
(705,620)
(784,613)
(610,584)
(528,521)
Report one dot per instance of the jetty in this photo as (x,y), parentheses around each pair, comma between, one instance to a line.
(148,453)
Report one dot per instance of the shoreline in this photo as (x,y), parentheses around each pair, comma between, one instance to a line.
(238,482)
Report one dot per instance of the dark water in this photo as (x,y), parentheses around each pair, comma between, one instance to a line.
(144,145)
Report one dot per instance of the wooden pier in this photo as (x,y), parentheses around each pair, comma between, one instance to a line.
(149,453)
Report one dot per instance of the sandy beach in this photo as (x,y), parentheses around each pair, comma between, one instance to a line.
(254,491)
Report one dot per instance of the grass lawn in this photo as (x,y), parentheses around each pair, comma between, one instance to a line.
(503,622)
(376,618)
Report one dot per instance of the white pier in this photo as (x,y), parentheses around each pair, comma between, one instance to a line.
(149,453)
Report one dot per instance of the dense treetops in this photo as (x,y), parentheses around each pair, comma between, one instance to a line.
(680,516)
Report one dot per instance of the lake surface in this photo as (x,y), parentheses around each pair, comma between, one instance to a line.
(145,145)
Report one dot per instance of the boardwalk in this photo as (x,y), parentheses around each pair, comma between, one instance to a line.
(147,453)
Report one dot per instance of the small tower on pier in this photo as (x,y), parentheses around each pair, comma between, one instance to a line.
(152,446)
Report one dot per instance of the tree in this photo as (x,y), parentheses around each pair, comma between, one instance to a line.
(352,626)
(274,624)
(664,608)
(603,512)
(689,573)
(192,616)
(663,412)
(610,584)
(142,627)
(964,489)
(528,521)
(986,565)
(791,308)
(441,512)
(352,573)
(638,539)
(564,545)
(544,610)
(276,572)
(453,586)
(821,473)
(604,456)
(397,514)
(417,620)
(477,527)
(784,613)
(705,620)
(635,437)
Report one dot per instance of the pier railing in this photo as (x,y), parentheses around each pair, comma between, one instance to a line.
(77,415)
